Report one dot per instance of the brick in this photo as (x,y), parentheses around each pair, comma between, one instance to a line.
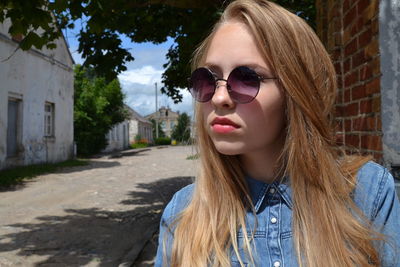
(375,26)
(338,126)
(333,12)
(339,97)
(378,123)
(365,38)
(372,49)
(346,4)
(366,72)
(337,67)
(338,25)
(336,53)
(347,35)
(350,109)
(366,106)
(362,5)
(351,47)
(331,41)
(370,12)
(347,95)
(354,29)
(339,111)
(358,92)
(376,104)
(347,126)
(339,139)
(349,17)
(339,81)
(360,24)
(373,86)
(363,124)
(371,142)
(351,79)
(346,65)
(352,140)
(376,66)
(358,59)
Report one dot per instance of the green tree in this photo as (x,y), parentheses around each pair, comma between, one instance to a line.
(181,131)
(98,105)
(104,22)
(160,130)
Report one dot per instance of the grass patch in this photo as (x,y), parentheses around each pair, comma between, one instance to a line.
(192,157)
(139,145)
(19,174)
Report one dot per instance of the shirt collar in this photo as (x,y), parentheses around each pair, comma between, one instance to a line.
(259,191)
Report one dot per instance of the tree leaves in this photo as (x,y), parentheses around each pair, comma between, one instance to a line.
(181,131)
(98,106)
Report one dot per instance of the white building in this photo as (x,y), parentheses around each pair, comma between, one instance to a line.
(36,103)
(124,133)
(139,126)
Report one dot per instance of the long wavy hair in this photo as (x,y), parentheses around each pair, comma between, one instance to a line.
(328,229)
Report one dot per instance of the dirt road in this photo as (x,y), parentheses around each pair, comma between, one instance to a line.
(102,214)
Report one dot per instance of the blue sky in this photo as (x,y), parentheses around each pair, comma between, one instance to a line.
(138,82)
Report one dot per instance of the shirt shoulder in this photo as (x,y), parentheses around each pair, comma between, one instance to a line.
(178,203)
(374,184)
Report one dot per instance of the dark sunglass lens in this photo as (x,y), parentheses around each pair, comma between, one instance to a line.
(202,84)
(244,84)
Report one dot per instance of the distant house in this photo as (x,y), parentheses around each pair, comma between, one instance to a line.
(167,119)
(36,103)
(124,133)
(139,126)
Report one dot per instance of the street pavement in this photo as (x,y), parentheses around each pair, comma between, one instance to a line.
(103,214)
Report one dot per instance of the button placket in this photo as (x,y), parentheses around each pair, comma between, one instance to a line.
(273,233)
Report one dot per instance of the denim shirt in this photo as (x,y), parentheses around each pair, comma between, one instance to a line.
(374,194)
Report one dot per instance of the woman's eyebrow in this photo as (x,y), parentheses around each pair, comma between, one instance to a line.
(253,66)
(257,67)
(212,66)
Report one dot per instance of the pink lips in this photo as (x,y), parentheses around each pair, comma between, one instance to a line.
(223,125)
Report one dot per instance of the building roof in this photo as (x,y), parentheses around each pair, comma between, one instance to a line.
(136,116)
(162,113)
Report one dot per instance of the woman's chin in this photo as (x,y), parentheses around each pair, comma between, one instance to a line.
(228,148)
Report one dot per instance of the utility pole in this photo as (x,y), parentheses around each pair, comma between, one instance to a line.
(156,113)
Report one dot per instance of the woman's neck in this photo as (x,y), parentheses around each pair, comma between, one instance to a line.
(262,164)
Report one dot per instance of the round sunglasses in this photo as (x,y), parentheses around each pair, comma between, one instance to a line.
(243,84)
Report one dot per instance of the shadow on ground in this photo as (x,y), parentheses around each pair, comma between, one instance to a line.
(92,164)
(93,236)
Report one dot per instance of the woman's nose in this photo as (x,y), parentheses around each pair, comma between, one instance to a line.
(221,97)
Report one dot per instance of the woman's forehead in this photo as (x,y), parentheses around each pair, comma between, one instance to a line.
(233,45)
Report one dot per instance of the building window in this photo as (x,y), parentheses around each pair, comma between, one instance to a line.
(49,119)
(13,126)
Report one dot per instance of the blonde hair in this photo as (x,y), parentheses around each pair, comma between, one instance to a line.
(328,229)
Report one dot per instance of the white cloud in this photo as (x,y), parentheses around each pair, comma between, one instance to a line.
(145,75)
(139,87)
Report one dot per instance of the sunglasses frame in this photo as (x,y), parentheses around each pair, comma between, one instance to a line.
(228,86)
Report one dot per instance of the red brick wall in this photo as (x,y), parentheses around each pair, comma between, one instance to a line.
(349,30)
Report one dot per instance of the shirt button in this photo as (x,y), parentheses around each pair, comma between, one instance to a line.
(277,264)
(272,190)
(274,220)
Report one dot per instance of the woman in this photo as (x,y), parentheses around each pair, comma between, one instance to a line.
(274,190)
